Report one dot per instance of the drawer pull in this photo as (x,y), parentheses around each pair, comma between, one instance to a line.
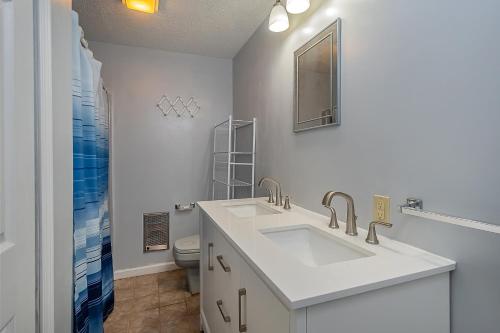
(225,267)
(210,256)
(226,318)
(243,327)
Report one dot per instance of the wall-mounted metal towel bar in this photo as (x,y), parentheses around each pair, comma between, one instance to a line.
(415,207)
(189,206)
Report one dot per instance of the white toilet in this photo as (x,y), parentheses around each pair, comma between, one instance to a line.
(187,255)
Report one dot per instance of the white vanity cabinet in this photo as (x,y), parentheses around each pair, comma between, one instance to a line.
(243,291)
(228,283)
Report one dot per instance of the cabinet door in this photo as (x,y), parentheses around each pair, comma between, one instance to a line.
(261,311)
(208,280)
(227,273)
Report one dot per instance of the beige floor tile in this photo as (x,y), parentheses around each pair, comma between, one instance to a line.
(178,274)
(145,303)
(123,294)
(145,280)
(189,324)
(145,290)
(141,316)
(117,316)
(123,307)
(147,329)
(145,321)
(193,304)
(116,327)
(177,329)
(137,305)
(172,297)
(170,315)
(169,285)
(124,283)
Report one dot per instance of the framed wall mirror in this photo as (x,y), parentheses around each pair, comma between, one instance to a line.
(317,81)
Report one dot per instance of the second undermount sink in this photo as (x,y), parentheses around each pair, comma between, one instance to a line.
(314,247)
(249,209)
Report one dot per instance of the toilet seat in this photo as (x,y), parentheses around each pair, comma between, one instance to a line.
(189,244)
(187,249)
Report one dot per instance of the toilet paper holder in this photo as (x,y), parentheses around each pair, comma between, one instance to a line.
(181,207)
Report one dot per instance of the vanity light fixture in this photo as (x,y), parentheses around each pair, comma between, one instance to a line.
(297,6)
(278,19)
(145,6)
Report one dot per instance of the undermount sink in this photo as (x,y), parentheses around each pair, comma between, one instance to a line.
(250,209)
(314,247)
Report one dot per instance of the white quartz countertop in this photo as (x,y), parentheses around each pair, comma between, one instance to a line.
(298,285)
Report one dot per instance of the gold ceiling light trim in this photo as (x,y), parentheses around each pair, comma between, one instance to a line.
(145,6)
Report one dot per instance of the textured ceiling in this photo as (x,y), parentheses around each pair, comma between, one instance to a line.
(217,28)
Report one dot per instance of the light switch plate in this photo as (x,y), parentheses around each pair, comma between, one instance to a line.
(381,208)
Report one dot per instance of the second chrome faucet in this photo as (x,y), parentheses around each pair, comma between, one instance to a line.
(351,215)
(279,198)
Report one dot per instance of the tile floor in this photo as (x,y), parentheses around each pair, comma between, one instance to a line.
(156,303)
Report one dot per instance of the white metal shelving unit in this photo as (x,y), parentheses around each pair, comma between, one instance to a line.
(226,159)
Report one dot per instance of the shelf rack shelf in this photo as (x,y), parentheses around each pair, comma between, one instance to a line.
(233,163)
(234,152)
(233,182)
(225,159)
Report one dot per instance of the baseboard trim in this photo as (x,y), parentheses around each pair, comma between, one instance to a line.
(144,270)
(204,322)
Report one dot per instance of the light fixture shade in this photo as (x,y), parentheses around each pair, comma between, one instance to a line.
(278,19)
(145,6)
(297,6)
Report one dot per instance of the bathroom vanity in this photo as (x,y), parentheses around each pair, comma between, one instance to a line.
(269,270)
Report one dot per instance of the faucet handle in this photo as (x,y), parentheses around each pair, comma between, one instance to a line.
(287,203)
(270,196)
(372,233)
(334,224)
(279,197)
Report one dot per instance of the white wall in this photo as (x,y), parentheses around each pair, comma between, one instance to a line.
(158,162)
(420,118)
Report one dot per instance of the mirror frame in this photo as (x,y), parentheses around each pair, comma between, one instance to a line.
(325,33)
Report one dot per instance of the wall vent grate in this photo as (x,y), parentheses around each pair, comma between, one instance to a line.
(156,231)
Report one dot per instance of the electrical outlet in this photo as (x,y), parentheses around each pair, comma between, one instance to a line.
(381,208)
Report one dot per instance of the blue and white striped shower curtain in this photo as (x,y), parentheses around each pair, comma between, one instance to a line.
(92,261)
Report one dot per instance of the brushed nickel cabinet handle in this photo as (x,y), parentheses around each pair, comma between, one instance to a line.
(226,317)
(210,256)
(243,327)
(221,261)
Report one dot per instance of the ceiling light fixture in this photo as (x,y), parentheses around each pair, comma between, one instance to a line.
(278,19)
(145,6)
(297,6)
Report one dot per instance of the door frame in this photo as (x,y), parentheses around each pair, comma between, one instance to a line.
(44,164)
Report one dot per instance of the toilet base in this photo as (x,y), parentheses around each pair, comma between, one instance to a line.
(193,280)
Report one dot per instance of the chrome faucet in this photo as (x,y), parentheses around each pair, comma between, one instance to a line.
(351,215)
(270,198)
(279,201)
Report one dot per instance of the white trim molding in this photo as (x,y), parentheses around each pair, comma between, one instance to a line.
(145,270)
(45,167)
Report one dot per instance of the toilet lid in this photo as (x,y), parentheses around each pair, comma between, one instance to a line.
(188,245)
